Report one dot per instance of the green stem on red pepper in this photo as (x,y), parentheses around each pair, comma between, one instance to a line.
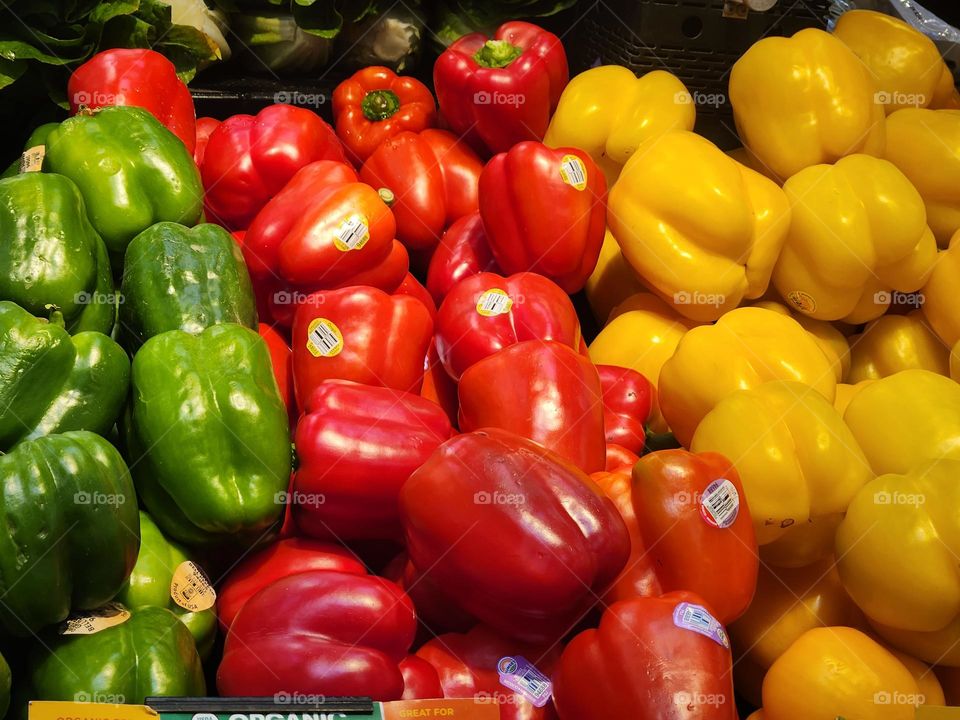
(497,54)
(379,105)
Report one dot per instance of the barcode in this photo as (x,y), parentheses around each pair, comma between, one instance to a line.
(574,169)
(494,302)
(721,502)
(352,232)
(535,682)
(697,617)
(324,339)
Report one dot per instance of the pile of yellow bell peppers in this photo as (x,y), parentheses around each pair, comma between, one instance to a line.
(796,304)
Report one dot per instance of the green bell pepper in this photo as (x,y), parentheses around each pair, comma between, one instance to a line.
(5,687)
(68,528)
(150,654)
(149,584)
(52,382)
(51,255)
(179,278)
(207,434)
(132,171)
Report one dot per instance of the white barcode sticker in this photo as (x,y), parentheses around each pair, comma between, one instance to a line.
(32,159)
(494,302)
(720,504)
(191,589)
(520,675)
(352,234)
(88,622)
(324,338)
(698,619)
(573,171)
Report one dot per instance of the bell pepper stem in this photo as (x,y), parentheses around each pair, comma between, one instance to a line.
(379,105)
(386,194)
(497,54)
(56,316)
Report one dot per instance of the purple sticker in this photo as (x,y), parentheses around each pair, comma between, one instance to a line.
(720,504)
(697,618)
(517,674)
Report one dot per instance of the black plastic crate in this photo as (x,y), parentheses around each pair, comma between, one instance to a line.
(696,40)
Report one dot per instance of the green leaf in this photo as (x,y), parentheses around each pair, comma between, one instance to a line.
(106,10)
(10,71)
(13,49)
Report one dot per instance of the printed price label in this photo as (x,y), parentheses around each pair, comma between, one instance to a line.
(191,589)
(324,338)
(573,171)
(88,622)
(519,675)
(720,504)
(697,618)
(352,234)
(494,302)
(32,159)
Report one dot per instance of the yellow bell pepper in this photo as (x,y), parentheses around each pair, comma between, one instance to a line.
(904,62)
(744,349)
(955,362)
(611,282)
(859,231)
(833,342)
(941,295)
(897,556)
(906,419)
(839,672)
(608,112)
(642,333)
(703,240)
(845,393)
(799,464)
(805,100)
(893,343)
(925,145)
(931,691)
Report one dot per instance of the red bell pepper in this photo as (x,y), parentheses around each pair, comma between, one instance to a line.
(544,210)
(512,533)
(433,178)
(412,287)
(420,680)
(438,386)
(375,104)
(500,91)
(644,663)
(357,445)
(250,158)
(360,334)
(619,457)
(435,610)
(463,251)
(466,665)
(323,230)
(205,128)
(139,78)
(485,313)
(694,519)
(543,391)
(320,632)
(278,560)
(282,370)
(627,399)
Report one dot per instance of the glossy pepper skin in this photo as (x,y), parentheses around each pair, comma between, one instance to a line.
(360,334)
(287,556)
(463,251)
(747,347)
(131,171)
(501,91)
(892,343)
(53,382)
(544,211)
(859,232)
(488,501)
(941,307)
(627,399)
(350,455)
(465,665)
(606,672)
(689,551)
(541,390)
(149,584)
(701,243)
(137,77)
(320,631)
(205,128)
(281,360)
(179,278)
(800,464)
(209,433)
(609,112)
(906,419)
(375,104)
(925,146)
(51,255)
(71,528)
(612,280)
(805,100)
(433,177)
(485,313)
(249,158)
(832,342)
(150,654)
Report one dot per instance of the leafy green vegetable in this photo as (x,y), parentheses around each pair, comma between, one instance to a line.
(455,18)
